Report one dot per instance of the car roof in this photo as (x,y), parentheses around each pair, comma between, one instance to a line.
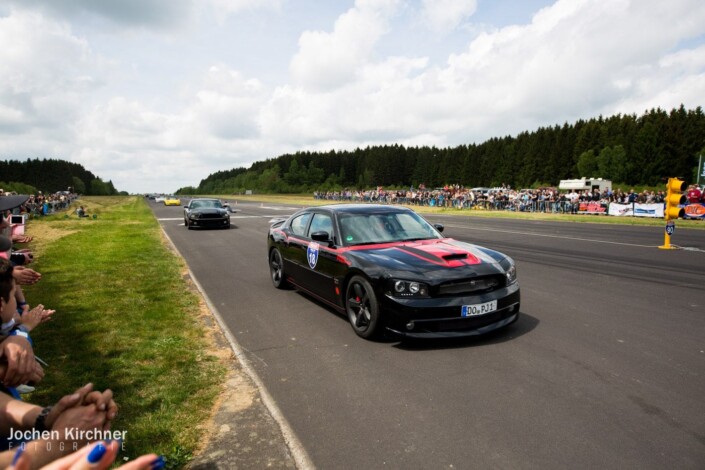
(361,208)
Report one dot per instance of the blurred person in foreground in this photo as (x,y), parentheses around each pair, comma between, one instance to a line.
(43,435)
(100,456)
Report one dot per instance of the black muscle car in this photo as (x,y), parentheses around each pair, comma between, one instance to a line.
(202,212)
(386,267)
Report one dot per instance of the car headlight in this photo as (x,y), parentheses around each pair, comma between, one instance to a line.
(400,288)
(510,270)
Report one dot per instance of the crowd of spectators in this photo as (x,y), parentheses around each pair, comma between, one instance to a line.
(41,204)
(76,431)
(499,198)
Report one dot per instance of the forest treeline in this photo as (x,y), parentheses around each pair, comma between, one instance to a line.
(627,149)
(50,176)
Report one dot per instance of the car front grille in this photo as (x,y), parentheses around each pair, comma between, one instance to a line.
(471,286)
(209,216)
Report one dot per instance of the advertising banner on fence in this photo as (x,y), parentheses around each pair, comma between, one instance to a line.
(621,210)
(649,210)
(636,210)
(592,208)
(695,211)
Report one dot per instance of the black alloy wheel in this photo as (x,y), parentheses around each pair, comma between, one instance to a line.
(362,308)
(276,269)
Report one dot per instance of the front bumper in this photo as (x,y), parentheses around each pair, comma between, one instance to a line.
(441,317)
(209,222)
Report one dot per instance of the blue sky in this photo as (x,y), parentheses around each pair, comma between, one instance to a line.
(157,94)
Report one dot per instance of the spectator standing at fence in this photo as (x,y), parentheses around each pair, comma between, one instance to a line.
(632,196)
(694,194)
(574,202)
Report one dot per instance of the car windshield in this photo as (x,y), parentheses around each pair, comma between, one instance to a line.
(370,228)
(206,203)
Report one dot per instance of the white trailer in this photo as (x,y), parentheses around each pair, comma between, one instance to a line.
(586,184)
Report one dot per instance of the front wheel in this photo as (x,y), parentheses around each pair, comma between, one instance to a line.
(362,308)
(276,270)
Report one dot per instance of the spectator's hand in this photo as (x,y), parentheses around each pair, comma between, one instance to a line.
(104,402)
(25,276)
(36,316)
(79,421)
(67,402)
(21,365)
(36,375)
(28,257)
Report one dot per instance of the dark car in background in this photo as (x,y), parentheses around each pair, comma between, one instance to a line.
(203,212)
(387,268)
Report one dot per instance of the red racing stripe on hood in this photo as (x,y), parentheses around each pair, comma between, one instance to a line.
(440,254)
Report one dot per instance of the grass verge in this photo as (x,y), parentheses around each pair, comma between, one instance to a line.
(126,319)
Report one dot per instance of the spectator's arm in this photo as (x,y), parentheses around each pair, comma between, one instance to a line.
(21,366)
(25,276)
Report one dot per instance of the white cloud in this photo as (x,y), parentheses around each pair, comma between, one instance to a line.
(227,7)
(350,85)
(155,13)
(229,104)
(44,73)
(446,15)
(326,61)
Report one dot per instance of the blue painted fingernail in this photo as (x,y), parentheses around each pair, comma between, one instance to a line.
(97,453)
(158,463)
(17,455)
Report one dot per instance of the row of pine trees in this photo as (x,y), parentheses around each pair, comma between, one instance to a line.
(627,149)
(51,176)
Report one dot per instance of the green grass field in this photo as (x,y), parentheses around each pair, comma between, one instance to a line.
(126,319)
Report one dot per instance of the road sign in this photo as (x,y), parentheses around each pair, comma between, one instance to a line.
(670,228)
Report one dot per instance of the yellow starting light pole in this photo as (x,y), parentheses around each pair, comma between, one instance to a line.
(674,199)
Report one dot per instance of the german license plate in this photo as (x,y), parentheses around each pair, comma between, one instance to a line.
(479,309)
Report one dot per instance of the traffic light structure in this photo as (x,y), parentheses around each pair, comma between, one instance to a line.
(674,199)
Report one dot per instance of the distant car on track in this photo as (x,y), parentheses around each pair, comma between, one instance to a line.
(386,267)
(172,201)
(202,212)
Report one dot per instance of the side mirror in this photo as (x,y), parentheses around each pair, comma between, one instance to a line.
(321,236)
(439,227)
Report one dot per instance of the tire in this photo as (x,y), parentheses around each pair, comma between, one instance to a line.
(276,270)
(187,224)
(362,308)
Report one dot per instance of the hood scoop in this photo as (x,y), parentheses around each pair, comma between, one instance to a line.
(455,256)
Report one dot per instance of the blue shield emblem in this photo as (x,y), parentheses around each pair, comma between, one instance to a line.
(670,228)
(312,254)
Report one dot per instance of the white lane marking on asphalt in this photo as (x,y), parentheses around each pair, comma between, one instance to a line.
(167,219)
(688,248)
(282,208)
(552,236)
